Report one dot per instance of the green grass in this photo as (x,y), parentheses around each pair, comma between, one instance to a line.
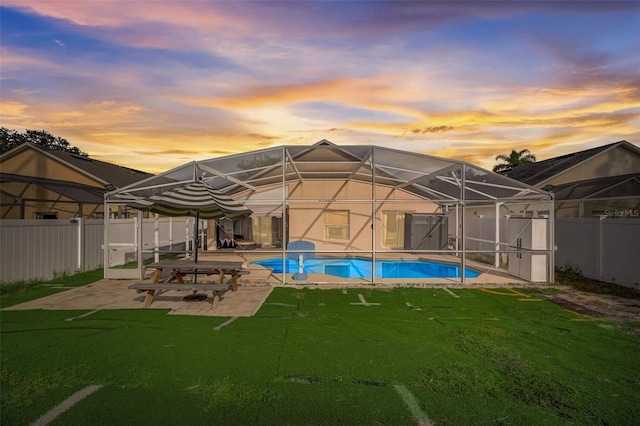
(311,357)
(23,291)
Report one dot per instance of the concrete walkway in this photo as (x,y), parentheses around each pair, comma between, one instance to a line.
(115,294)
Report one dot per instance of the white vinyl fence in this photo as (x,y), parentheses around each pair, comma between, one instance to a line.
(165,234)
(40,249)
(606,249)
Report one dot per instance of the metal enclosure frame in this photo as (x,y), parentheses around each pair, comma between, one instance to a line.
(300,183)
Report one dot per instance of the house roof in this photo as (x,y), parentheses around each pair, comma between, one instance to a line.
(106,173)
(540,171)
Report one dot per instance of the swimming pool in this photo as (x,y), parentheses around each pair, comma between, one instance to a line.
(361,268)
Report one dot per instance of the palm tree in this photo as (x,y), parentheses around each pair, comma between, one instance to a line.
(515,159)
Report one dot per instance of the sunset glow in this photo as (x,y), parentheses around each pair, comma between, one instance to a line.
(154,84)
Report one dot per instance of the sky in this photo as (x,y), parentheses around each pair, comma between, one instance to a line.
(155,84)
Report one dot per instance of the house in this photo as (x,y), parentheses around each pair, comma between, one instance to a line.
(595,182)
(39,183)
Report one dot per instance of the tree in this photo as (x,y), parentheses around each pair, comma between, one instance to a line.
(515,159)
(9,139)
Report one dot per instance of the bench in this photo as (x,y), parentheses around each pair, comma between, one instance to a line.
(154,289)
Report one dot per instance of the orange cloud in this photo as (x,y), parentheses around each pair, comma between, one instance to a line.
(348,91)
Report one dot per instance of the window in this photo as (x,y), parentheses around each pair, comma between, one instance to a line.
(392,229)
(336,225)
(261,229)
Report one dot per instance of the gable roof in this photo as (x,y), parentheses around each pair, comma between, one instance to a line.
(106,173)
(540,171)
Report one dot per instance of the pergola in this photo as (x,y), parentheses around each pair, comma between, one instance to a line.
(359,201)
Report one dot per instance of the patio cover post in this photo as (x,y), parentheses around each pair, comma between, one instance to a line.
(283,244)
(373,216)
(463,278)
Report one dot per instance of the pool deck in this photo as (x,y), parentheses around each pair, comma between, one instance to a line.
(489,275)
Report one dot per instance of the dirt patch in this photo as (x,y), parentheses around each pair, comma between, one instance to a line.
(574,307)
(598,305)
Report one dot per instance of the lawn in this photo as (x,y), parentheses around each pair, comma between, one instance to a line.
(322,357)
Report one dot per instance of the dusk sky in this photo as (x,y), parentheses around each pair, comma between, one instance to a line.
(155,84)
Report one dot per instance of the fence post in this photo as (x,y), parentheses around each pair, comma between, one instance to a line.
(156,237)
(170,233)
(496,261)
(81,242)
(598,247)
(139,223)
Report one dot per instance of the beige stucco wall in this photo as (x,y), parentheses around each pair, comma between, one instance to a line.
(618,161)
(33,163)
(309,200)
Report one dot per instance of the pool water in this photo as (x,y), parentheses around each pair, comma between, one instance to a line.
(361,268)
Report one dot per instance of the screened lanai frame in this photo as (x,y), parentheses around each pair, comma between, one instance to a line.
(298,185)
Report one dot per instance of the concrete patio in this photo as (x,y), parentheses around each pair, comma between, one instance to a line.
(115,294)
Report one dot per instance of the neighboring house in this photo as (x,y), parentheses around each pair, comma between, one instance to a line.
(602,181)
(39,183)
(594,191)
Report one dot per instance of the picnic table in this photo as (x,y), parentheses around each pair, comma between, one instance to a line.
(179,268)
